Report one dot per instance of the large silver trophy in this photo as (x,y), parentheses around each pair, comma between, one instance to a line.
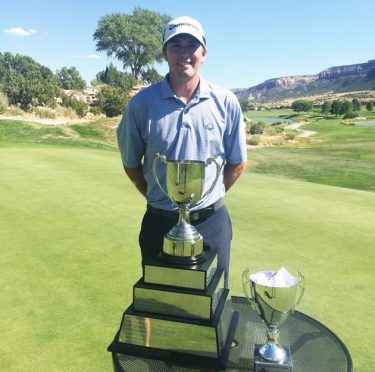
(185,182)
(274,301)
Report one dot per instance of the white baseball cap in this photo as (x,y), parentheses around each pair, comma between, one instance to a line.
(184,25)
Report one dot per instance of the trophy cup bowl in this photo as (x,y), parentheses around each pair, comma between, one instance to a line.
(273,304)
(184,182)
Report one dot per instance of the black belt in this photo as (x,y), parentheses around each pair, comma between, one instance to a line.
(194,215)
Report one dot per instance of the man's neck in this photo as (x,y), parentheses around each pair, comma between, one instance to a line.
(184,89)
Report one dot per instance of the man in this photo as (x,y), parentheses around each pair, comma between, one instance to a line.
(184,117)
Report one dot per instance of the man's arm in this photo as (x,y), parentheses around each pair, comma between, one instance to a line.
(136,176)
(231,173)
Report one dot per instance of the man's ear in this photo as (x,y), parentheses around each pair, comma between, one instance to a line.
(204,54)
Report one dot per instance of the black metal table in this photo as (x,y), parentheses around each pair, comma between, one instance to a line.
(314,347)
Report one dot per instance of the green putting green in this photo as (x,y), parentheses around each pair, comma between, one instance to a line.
(69,253)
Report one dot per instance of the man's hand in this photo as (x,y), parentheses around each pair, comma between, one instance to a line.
(231,173)
(136,176)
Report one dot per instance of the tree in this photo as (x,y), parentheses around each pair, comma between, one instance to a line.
(244,104)
(112,100)
(326,108)
(150,76)
(308,105)
(70,78)
(346,108)
(336,107)
(369,106)
(356,104)
(27,83)
(302,105)
(297,106)
(136,39)
(116,78)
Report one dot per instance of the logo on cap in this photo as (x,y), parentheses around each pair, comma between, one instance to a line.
(172,26)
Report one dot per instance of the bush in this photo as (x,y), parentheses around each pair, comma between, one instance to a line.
(95,110)
(254,140)
(14,110)
(272,130)
(3,103)
(44,113)
(289,136)
(112,100)
(257,128)
(81,108)
(66,112)
(350,115)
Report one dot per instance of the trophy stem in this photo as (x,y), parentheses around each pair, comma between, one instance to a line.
(272,350)
(184,213)
(183,245)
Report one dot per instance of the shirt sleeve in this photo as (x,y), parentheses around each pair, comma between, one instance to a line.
(235,136)
(129,137)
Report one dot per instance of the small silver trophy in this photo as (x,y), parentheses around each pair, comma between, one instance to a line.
(273,301)
(185,182)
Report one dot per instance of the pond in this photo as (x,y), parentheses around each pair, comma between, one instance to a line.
(271,120)
(368,123)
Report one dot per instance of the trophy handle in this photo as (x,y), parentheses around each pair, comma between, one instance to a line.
(162,159)
(245,281)
(301,286)
(208,162)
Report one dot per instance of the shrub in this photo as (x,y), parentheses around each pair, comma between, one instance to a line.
(14,110)
(272,130)
(81,108)
(112,100)
(44,113)
(289,136)
(66,112)
(254,140)
(350,115)
(257,128)
(95,110)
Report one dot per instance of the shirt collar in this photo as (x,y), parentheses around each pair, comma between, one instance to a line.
(166,90)
(203,90)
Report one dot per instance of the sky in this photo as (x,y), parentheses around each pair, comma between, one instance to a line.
(249,41)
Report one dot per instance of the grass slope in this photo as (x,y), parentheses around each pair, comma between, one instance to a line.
(339,154)
(69,254)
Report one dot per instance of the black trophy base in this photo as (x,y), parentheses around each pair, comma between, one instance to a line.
(201,359)
(263,365)
(177,339)
(182,260)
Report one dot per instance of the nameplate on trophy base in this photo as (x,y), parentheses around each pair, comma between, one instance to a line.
(182,302)
(207,343)
(263,365)
(196,276)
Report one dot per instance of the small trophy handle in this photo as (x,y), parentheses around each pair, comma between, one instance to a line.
(301,286)
(208,162)
(162,159)
(245,281)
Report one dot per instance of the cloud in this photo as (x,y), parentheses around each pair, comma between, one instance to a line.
(19,31)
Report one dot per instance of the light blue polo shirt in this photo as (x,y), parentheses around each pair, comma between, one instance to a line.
(156,121)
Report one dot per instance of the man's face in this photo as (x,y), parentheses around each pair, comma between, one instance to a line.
(184,54)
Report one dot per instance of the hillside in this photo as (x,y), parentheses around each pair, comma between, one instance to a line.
(338,79)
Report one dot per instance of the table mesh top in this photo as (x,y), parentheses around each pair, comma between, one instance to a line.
(313,346)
